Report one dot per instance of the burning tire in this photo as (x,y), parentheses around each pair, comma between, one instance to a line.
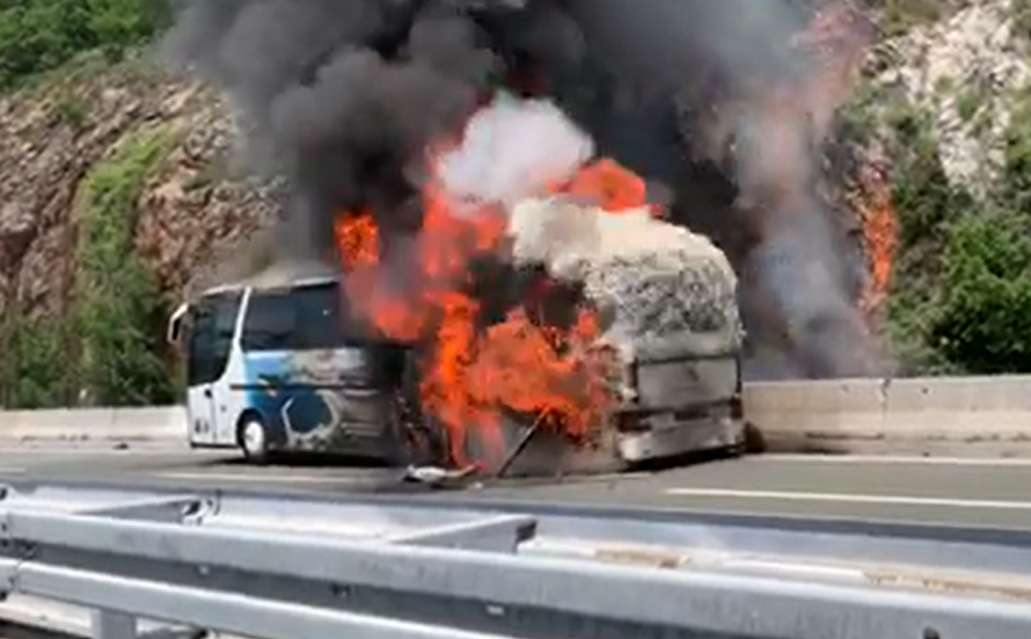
(418,438)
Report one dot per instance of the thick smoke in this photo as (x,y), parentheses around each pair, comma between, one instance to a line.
(713,99)
(513,150)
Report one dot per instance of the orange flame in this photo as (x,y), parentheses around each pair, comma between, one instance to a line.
(474,374)
(880,235)
(608,185)
(357,238)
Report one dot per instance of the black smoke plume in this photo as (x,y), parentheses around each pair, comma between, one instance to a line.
(342,97)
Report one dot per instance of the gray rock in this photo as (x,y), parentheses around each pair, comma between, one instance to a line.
(16,234)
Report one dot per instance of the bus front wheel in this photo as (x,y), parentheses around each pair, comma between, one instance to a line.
(253,438)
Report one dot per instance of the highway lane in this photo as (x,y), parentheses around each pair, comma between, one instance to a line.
(960,492)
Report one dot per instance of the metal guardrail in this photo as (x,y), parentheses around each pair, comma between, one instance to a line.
(380,568)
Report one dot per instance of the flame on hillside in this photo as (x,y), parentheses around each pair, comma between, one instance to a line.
(880,236)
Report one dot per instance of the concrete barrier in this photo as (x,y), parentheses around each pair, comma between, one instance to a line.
(962,416)
(150,424)
(955,416)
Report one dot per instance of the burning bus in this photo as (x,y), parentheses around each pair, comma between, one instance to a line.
(269,369)
(564,317)
(272,366)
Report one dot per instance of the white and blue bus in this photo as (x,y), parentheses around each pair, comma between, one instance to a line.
(275,364)
(271,365)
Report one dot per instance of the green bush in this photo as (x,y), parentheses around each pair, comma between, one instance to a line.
(1021,14)
(41,35)
(982,319)
(899,16)
(36,371)
(118,312)
(1015,188)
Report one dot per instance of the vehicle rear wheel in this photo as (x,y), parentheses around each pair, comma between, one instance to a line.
(253,437)
(421,437)
(755,443)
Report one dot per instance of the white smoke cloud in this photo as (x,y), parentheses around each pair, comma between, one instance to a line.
(512,150)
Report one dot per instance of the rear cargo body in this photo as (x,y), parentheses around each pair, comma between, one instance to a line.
(682,402)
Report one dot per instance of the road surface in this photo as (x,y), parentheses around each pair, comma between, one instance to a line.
(959,492)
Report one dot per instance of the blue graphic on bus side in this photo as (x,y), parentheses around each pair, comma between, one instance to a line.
(290,390)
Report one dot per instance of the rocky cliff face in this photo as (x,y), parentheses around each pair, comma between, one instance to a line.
(965,72)
(58,131)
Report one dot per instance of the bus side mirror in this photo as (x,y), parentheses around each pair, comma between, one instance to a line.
(175,324)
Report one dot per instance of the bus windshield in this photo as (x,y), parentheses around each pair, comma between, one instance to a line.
(299,318)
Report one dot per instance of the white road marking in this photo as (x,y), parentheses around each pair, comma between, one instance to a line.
(849,498)
(269,478)
(893,459)
(100,451)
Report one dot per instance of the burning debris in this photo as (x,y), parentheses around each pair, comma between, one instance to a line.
(485,172)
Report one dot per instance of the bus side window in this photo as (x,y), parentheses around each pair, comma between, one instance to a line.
(317,310)
(200,346)
(227,308)
(269,324)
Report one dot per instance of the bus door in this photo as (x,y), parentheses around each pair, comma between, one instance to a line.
(211,339)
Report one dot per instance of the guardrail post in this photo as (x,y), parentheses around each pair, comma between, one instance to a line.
(108,624)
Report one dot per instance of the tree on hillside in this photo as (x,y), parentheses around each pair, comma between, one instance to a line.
(41,35)
(983,321)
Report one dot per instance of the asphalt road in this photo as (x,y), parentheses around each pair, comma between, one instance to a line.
(994,493)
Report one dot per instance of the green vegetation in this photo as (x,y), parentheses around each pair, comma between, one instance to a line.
(962,280)
(36,370)
(982,321)
(1021,17)
(925,204)
(898,16)
(37,36)
(107,347)
(968,103)
(73,111)
(117,306)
